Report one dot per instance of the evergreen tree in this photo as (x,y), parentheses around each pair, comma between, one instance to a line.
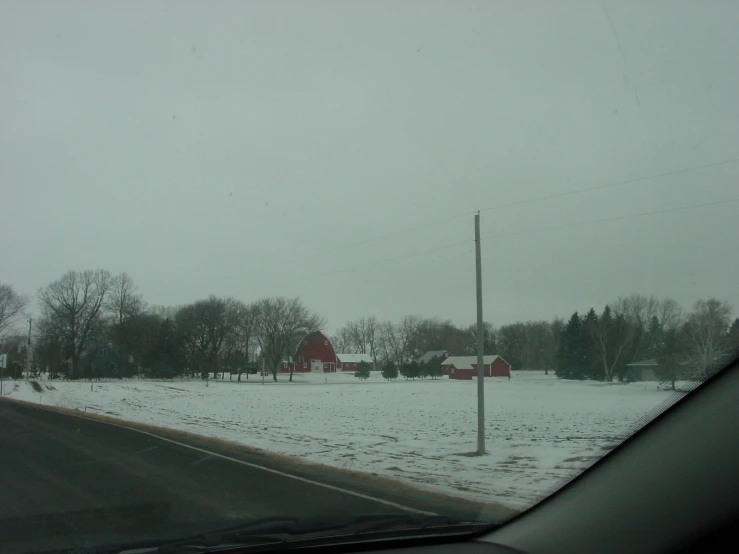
(654,338)
(362,371)
(589,367)
(569,361)
(414,370)
(410,370)
(389,371)
(670,354)
(434,368)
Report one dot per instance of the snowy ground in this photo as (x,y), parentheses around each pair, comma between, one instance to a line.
(539,429)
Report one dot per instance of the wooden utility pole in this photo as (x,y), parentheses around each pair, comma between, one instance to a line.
(480,345)
(28,348)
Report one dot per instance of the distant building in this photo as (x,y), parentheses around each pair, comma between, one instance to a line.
(428,356)
(349,362)
(643,370)
(465,367)
(648,370)
(315,354)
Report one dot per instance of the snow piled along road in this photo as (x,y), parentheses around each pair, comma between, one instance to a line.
(539,429)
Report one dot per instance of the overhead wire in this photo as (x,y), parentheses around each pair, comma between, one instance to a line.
(610,185)
(516,233)
(616,218)
(489,208)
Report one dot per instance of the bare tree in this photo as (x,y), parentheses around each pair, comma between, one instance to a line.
(636,308)
(399,343)
(610,337)
(342,340)
(281,323)
(72,308)
(12,306)
(205,326)
(556,328)
(247,325)
(125,306)
(469,343)
(390,347)
(669,314)
(512,343)
(707,331)
(363,335)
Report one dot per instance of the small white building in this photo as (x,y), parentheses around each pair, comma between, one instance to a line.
(349,362)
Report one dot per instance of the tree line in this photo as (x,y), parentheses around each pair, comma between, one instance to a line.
(88,311)
(84,311)
(589,346)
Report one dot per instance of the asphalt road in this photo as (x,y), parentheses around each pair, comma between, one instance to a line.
(71,481)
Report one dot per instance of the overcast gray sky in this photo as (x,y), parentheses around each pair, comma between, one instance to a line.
(236,148)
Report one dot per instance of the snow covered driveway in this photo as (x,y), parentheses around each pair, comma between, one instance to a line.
(539,428)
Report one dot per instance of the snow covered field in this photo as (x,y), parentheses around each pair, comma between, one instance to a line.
(539,428)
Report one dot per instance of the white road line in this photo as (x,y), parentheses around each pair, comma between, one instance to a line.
(251,465)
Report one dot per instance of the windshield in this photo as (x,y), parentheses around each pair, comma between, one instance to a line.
(318,269)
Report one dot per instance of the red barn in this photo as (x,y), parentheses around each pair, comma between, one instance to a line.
(349,362)
(315,354)
(465,367)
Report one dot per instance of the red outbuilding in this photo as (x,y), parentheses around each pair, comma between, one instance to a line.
(465,367)
(315,354)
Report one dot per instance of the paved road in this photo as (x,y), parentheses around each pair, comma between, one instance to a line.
(63,476)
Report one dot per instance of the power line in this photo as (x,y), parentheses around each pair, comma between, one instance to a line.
(382,261)
(517,233)
(340,248)
(617,218)
(611,185)
(460,215)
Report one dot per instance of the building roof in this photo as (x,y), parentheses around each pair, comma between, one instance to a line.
(426,358)
(466,362)
(355,358)
(651,362)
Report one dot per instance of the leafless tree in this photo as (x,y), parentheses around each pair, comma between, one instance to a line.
(247,325)
(512,340)
(72,308)
(125,305)
(358,337)
(669,314)
(204,327)
(12,306)
(639,310)
(342,340)
(610,336)
(556,327)
(363,335)
(469,345)
(164,312)
(636,308)
(399,342)
(281,323)
(707,331)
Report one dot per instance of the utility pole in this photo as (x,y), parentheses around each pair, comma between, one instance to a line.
(480,345)
(3,361)
(28,348)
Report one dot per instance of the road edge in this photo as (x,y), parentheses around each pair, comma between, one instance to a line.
(426,498)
